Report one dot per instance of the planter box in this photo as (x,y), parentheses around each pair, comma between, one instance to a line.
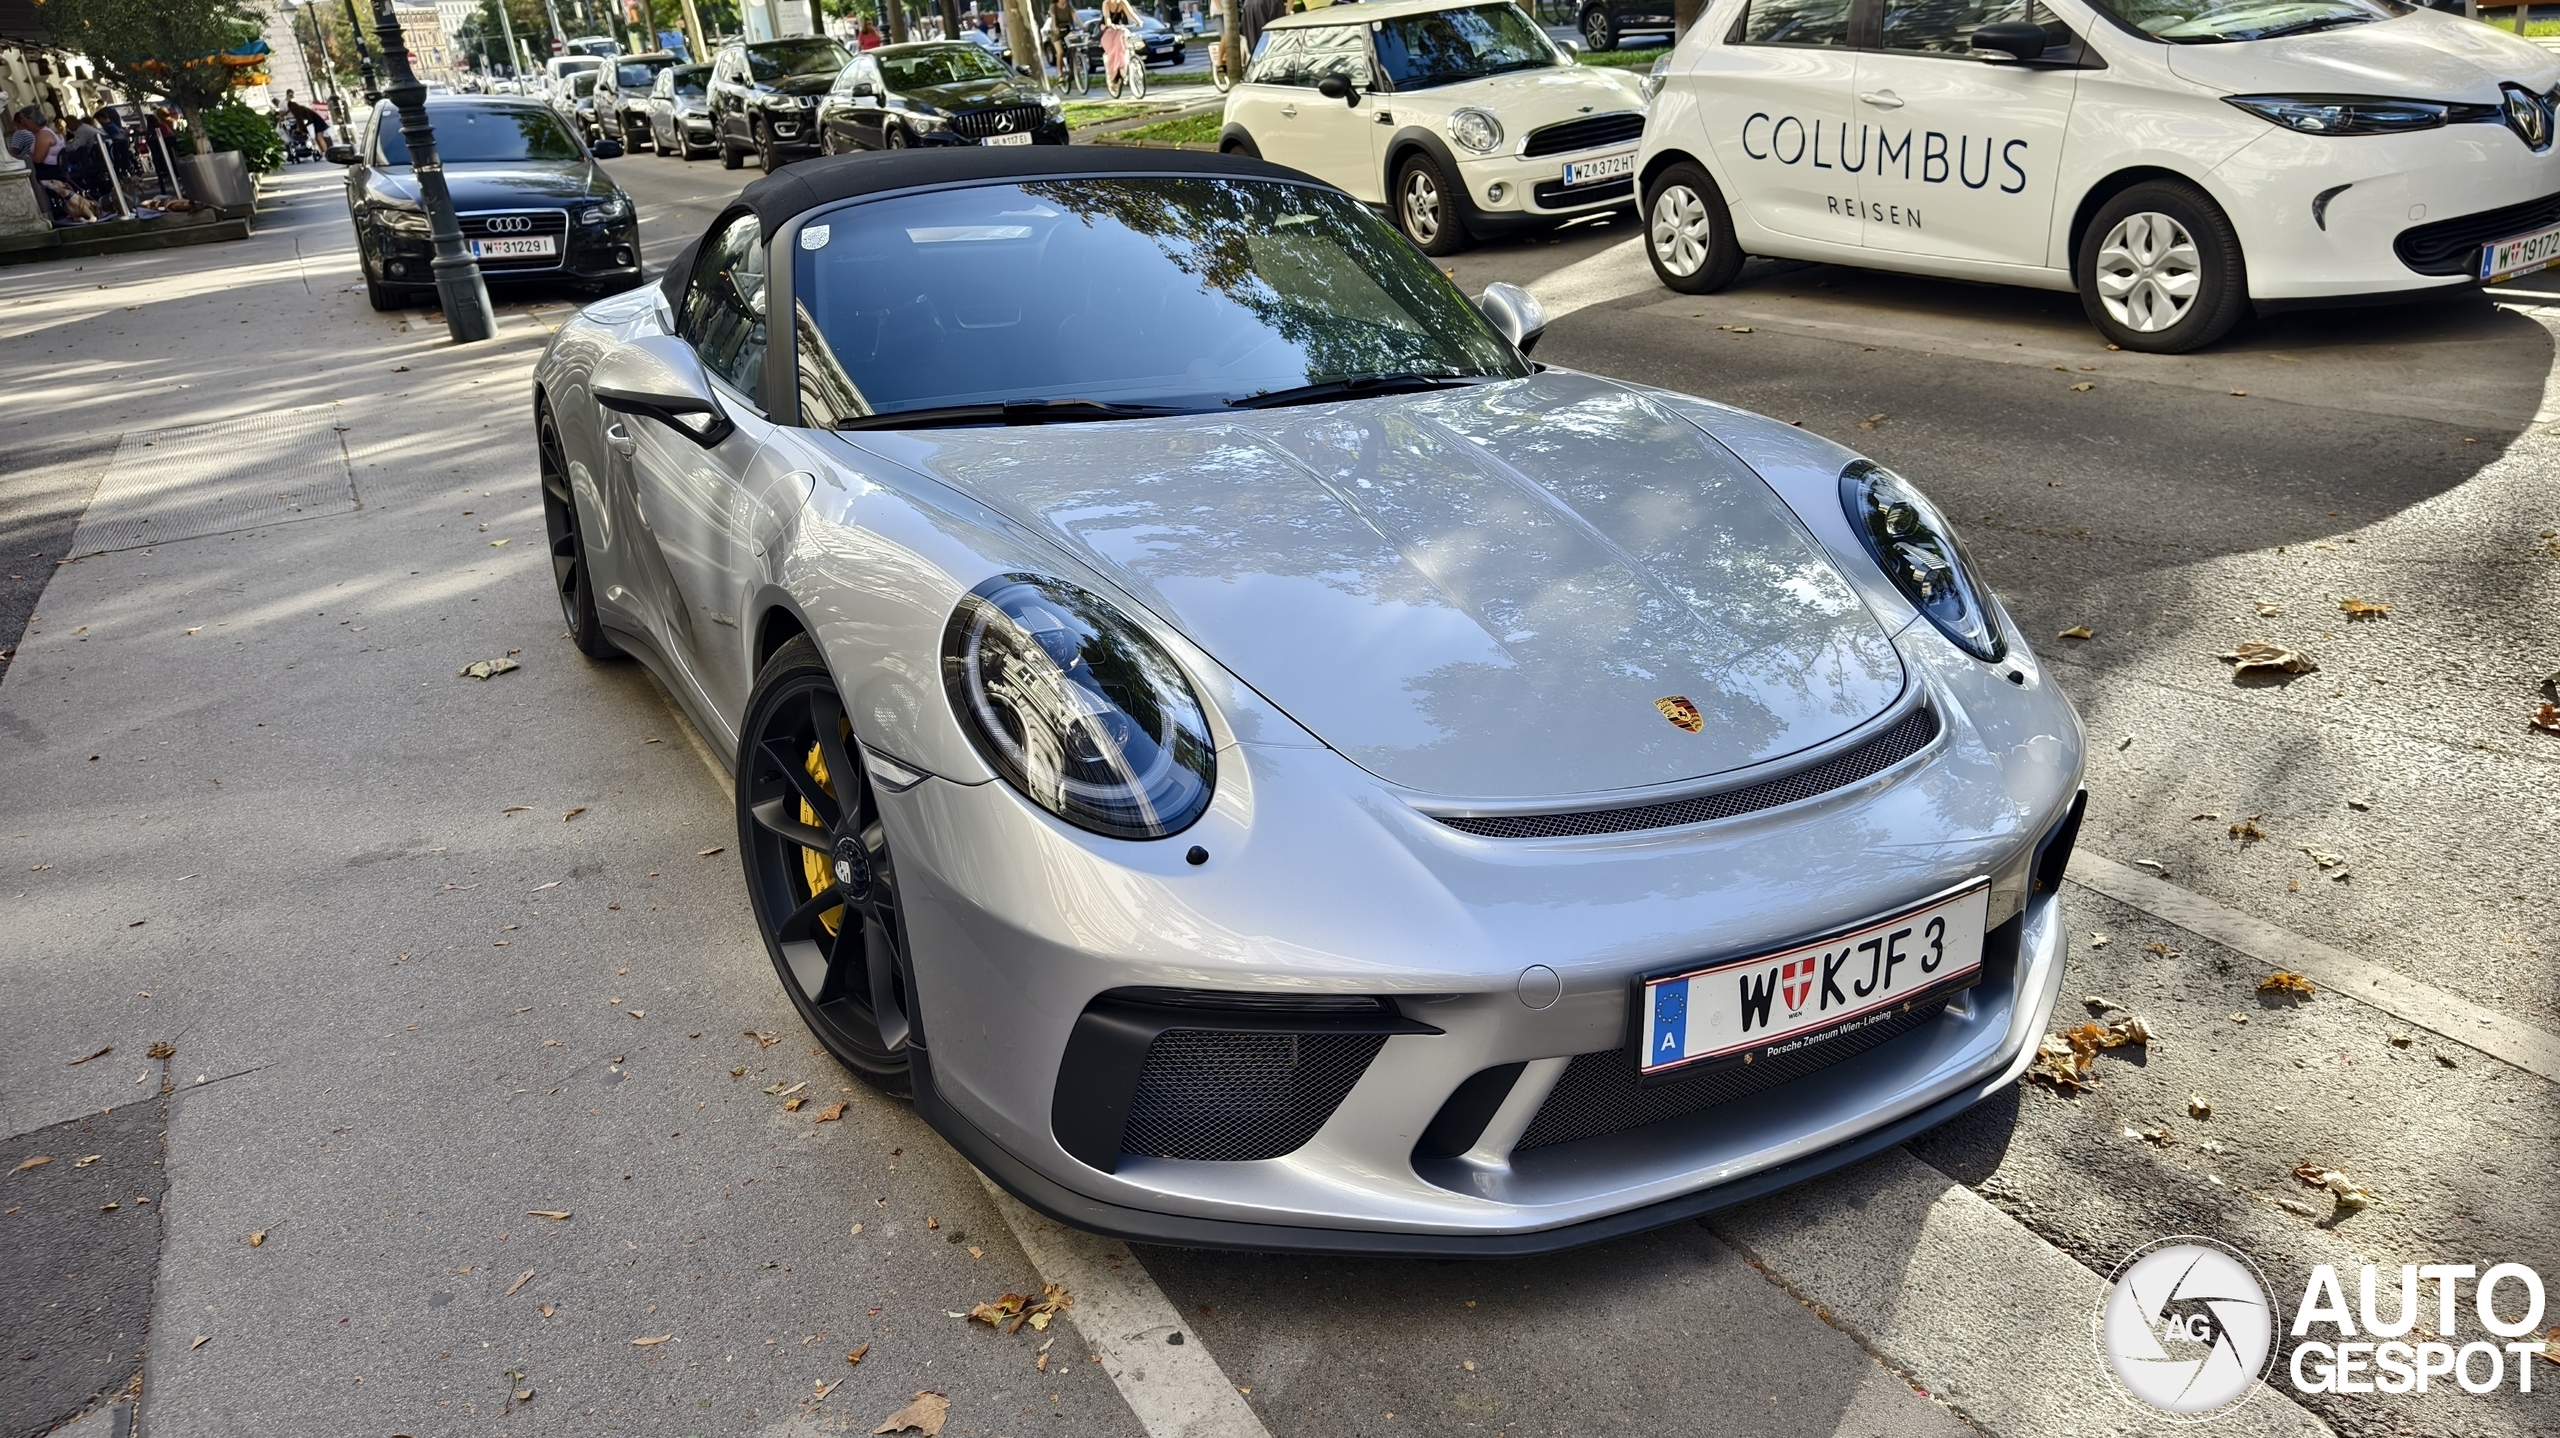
(220,178)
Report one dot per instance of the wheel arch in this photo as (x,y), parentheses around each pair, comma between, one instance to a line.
(1664,159)
(2112,185)
(1235,139)
(778,624)
(1402,145)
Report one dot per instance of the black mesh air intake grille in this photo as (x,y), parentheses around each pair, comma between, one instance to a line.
(1906,737)
(1590,134)
(2452,247)
(979,124)
(1236,1097)
(1599,1093)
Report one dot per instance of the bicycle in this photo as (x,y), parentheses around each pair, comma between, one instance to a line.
(1131,68)
(1218,73)
(1075,68)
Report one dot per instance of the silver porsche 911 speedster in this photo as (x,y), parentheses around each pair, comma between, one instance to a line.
(1268,765)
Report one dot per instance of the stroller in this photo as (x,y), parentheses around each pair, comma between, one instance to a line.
(300,143)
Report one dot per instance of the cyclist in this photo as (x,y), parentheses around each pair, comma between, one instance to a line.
(1119,35)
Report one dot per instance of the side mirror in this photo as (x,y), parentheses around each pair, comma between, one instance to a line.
(1515,312)
(660,377)
(1335,87)
(1572,48)
(342,154)
(606,149)
(865,89)
(2010,40)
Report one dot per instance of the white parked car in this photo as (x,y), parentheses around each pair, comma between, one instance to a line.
(2175,162)
(1461,117)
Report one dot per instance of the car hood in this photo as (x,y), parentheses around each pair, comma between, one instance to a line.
(973,95)
(1481,593)
(1526,99)
(2421,56)
(802,85)
(500,187)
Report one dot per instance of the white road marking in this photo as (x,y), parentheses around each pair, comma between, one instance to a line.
(1175,1387)
(2334,970)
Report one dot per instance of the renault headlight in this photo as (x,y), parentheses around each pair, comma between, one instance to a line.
(2357,114)
(1478,130)
(1919,552)
(1076,707)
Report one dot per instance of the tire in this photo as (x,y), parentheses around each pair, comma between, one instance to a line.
(1428,208)
(1113,80)
(1600,28)
(730,159)
(895,138)
(2160,269)
(685,150)
(1239,142)
(766,157)
(570,577)
(1219,77)
(801,847)
(1137,69)
(1688,232)
(385,297)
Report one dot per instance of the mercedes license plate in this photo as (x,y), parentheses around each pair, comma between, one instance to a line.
(1779,1003)
(1607,167)
(1006,140)
(2520,256)
(513,247)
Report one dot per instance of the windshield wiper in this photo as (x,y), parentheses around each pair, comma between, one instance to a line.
(2305,27)
(1010,412)
(1359,384)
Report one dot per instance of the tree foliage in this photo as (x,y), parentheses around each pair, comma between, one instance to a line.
(157,47)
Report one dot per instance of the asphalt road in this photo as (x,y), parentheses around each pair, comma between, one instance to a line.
(415,1008)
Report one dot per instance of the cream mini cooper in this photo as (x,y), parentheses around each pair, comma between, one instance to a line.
(1463,119)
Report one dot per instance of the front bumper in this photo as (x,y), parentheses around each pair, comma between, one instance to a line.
(588,253)
(794,132)
(1049,132)
(1507,188)
(1322,884)
(2369,191)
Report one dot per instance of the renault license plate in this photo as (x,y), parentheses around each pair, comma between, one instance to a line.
(1607,167)
(2522,255)
(514,247)
(1006,140)
(1774,1004)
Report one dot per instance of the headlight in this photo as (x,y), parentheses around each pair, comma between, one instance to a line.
(1651,84)
(1917,550)
(408,224)
(607,213)
(2357,114)
(1477,130)
(1077,708)
(1052,104)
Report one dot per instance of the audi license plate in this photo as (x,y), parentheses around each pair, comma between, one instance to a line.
(1006,140)
(1780,1003)
(1607,167)
(513,246)
(2520,256)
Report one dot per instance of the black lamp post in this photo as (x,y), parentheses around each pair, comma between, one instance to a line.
(467,316)
(364,57)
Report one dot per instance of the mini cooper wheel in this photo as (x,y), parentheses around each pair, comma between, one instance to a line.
(1428,208)
(569,572)
(1688,232)
(1600,28)
(2160,270)
(818,868)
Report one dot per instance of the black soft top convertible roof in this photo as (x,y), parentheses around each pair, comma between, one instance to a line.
(806,186)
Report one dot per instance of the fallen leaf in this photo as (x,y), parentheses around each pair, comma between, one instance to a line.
(857,1230)
(931,1222)
(485,668)
(109,1207)
(258,1238)
(543,1308)
(2099,941)
(498,543)
(2198,1106)
(2547,718)
(85,1162)
(565,818)
(830,1113)
(2258,655)
(2294,1205)
(2239,394)
(1041,1364)
(1871,421)
(2156,1137)
(976,1252)
(2282,982)
(38,1161)
(162,1050)
(2076,631)
(2247,830)
(521,1280)
(2100,1002)
(2398,1041)
(764,1041)
(2061,1065)
(2083,387)
(2363,608)
(201,1340)
(554,1214)
(925,1415)
(792,1105)
(707,853)
(651,1342)
(102,1053)
(2447,1060)
(2322,857)
(517,809)
(855,1357)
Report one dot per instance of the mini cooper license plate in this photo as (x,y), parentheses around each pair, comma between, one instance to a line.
(513,246)
(1779,1003)
(1607,167)
(1006,140)
(2522,255)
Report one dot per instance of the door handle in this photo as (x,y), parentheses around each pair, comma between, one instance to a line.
(1881,99)
(1288,112)
(1385,119)
(620,438)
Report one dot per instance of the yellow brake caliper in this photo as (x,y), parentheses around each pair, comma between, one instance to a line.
(813,863)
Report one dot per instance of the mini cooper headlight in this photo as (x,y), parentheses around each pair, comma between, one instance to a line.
(1919,552)
(2357,114)
(1478,130)
(1076,707)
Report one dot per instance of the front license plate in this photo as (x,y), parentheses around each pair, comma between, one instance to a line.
(1773,1004)
(1607,167)
(2520,256)
(1006,140)
(514,246)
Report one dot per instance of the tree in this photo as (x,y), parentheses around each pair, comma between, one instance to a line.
(159,47)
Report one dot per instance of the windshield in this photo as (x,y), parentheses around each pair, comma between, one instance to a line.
(942,65)
(478,135)
(1176,291)
(583,84)
(2206,22)
(778,59)
(636,74)
(1442,47)
(688,81)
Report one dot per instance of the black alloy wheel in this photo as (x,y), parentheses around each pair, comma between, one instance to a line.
(1600,28)
(766,155)
(818,869)
(896,139)
(730,159)
(569,572)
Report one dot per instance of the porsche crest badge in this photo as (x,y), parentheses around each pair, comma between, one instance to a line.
(1680,711)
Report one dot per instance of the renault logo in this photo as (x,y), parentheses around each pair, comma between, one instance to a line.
(2529,115)
(508,224)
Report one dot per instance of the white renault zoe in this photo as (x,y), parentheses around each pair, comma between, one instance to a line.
(2175,162)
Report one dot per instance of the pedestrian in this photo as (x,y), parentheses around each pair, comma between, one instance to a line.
(868,37)
(1252,17)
